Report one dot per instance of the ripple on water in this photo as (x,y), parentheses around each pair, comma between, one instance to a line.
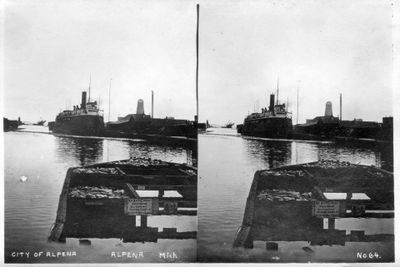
(227,165)
(31,207)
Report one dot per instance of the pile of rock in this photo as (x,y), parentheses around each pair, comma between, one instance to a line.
(284,195)
(329,164)
(376,173)
(142,162)
(190,171)
(96,170)
(96,192)
(292,173)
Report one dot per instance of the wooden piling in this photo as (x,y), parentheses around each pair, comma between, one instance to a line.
(331,223)
(58,228)
(143,221)
(243,236)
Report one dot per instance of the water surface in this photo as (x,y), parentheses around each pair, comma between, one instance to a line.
(227,163)
(31,206)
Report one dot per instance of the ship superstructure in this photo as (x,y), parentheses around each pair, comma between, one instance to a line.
(86,119)
(272,122)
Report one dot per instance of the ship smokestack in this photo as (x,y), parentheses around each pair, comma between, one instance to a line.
(83,103)
(271,102)
(328,109)
(152,104)
(140,107)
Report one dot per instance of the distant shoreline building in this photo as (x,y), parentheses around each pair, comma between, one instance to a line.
(329,126)
(142,123)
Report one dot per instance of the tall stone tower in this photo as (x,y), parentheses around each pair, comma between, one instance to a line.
(140,107)
(328,109)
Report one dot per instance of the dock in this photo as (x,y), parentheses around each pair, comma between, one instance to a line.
(290,203)
(105,200)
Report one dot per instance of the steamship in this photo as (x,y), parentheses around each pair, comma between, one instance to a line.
(85,119)
(274,122)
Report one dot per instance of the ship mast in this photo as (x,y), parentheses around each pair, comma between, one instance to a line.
(340,106)
(277,92)
(287,104)
(90,82)
(297,117)
(109,100)
(152,104)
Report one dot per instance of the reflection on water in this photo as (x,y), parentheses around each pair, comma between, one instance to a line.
(273,153)
(31,203)
(311,241)
(227,164)
(85,150)
(110,221)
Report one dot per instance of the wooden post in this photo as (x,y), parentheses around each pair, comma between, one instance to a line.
(143,221)
(244,237)
(271,246)
(248,243)
(331,223)
(56,232)
(197,64)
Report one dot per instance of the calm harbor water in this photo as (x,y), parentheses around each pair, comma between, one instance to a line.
(31,206)
(227,164)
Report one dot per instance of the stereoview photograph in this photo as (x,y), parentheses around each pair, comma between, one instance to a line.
(198,131)
(296,162)
(100,132)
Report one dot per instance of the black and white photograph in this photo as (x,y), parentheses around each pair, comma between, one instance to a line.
(100,137)
(296,163)
(204,132)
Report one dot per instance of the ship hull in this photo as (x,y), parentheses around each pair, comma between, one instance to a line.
(155,126)
(267,127)
(79,125)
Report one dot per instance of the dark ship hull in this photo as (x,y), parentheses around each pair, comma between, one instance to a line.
(167,127)
(274,122)
(10,125)
(79,125)
(83,120)
(267,127)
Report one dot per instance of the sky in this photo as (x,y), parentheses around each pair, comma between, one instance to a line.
(324,48)
(52,48)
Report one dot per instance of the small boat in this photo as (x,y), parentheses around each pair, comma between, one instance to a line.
(40,123)
(10,125)
(229,125)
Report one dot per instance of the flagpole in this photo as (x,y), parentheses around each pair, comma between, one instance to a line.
(197,64)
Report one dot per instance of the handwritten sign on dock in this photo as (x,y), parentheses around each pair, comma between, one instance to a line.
(328,209)
(144,206)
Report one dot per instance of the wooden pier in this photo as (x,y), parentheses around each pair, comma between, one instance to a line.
(103,200)
(272,215)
